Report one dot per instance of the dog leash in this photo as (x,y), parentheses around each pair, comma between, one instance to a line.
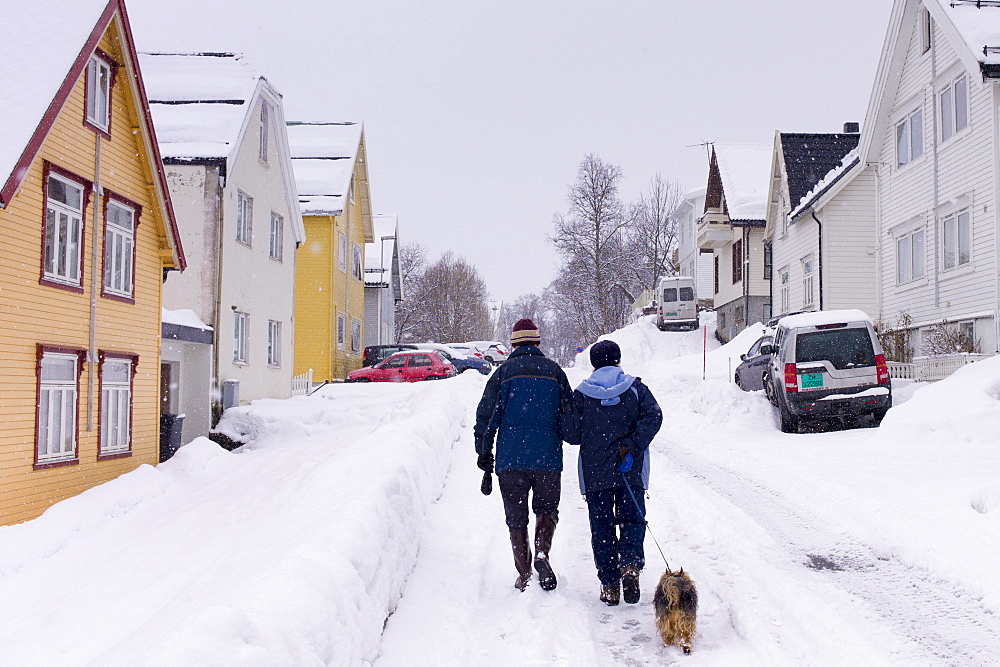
(643,515)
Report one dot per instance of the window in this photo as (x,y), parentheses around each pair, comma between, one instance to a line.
(350,190)
(737,261)
(63,230)
(687,294)
(954,108)
(358,266)
(910,256)
(926,26)
(808,277)
(910,138)
(57,406)
(957,240)
(119,249)
(99,93)
(355,336)
(715,275)
(768,259)
(395,362)
(241,338)
(244,218)
(738,316)
(116,405)
(277,236)
(342,252)
(273,343)
(420,360)
(784,224)
(341,330)
(264,113)
(786,296)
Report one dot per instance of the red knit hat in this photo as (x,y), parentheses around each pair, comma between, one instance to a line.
(525,333)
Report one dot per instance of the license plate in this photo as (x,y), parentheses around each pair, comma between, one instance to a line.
(671,314)
(812,380)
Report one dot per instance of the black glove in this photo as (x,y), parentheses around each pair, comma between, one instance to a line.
(487,485)
(485,462)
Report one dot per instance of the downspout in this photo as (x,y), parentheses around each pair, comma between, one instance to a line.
(746,276)
(819,254)
(996,211)
(934,143)
(95,248)
(220,205)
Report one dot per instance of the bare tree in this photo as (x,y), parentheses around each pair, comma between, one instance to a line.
(591,240)
(453,303)
(652,233)
(409,311)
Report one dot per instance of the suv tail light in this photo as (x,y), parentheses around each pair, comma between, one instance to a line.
(882,369)
(791,379)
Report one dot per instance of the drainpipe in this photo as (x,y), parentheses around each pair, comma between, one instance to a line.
(746,276)
(95,249)
(819,254)
(934,144)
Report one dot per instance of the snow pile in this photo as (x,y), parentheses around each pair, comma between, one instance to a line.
(291,550)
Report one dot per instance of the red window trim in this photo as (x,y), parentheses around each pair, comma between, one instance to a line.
(40,350)
(125,201)
(113,65)
(88,189)
(134,359)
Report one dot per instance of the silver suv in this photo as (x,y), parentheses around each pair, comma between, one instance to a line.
(829,364)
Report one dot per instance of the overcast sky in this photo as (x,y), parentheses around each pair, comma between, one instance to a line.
(477,114)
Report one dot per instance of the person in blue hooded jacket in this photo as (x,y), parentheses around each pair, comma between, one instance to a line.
(615,420)
(520,409)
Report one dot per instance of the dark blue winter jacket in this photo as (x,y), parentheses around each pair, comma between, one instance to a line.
(610,409)
(520,408)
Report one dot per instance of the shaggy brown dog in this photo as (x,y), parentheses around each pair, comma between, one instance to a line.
(676,605)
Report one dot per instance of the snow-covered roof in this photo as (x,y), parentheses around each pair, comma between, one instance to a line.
(823,186)
(42,41)
(745,170)
(978,26)
(822,317)
(379,254)
(183,317)
(323,156)
(199,101)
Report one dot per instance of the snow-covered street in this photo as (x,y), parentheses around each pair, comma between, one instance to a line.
(351,530)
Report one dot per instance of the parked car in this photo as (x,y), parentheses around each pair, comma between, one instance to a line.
(492,351)
(467,349)
(459,359)
(750,374)
(377,353)
(406,366)
(677,306)
(829,364)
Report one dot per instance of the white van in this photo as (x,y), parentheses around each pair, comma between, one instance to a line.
(677,303)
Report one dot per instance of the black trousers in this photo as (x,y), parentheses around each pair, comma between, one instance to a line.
(545,488)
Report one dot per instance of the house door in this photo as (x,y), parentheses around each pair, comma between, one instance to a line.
(168,388)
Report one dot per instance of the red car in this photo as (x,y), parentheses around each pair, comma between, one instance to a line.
(409,366)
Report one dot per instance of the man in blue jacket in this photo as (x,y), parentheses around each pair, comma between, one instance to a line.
(520,408)
(615,419)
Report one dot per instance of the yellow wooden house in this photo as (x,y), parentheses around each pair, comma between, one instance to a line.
(88,233)
(331,175)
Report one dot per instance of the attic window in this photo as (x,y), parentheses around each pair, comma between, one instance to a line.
(264,114)
(99,93)
(926,30)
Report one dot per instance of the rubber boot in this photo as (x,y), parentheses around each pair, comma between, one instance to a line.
(545,527)
(522,557)
(630,584)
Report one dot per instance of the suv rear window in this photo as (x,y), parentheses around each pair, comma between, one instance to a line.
(844,348)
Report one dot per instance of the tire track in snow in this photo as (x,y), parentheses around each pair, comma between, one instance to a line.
(946,622)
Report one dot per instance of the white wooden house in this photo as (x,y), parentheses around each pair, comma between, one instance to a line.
(221,131)
(383,285)
(931,145)
(732,227)
(692,260)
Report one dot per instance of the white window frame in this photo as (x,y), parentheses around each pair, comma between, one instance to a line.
(265,114)
(956,239)
(62,258)
(277,245)
(342,246)
(926,30)
(241,337)
(356,335)
(341,330)
(98,96)
(786,291)
(244,218)
(358,262)
(350,190)
(116,406)
(808,281)
(274,343)
(119,250)
(909,131)
(57,410)
(953,105)
(911,256)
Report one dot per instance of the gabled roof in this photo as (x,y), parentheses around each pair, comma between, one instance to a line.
(323,156)
(977,26)
(203,105)
(808,158)
(744,170)
(43,54)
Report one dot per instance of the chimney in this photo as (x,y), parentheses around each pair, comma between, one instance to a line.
(852,128)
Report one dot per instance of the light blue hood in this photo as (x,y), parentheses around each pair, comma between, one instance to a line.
(606,384)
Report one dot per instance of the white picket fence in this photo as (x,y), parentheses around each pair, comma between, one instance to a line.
(932,368)
(302,384)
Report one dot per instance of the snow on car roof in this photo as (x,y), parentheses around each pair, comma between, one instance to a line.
(821,317)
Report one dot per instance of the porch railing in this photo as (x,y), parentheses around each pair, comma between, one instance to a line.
(301,384)
(932,368)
